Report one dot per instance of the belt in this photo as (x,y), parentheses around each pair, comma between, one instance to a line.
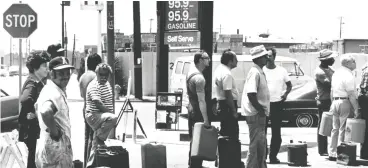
(340,98)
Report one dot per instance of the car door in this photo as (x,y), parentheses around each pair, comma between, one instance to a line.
(176,76)
(9,106)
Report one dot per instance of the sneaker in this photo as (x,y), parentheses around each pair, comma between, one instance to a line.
(274,161)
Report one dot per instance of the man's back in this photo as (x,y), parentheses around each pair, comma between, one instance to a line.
(323,90)
(195,85)
(85,79)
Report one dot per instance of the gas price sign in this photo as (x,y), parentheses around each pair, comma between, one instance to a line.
(181,15)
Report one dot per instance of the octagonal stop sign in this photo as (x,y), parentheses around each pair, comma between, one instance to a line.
(20,20)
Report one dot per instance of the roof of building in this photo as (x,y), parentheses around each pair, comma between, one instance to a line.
(273,40)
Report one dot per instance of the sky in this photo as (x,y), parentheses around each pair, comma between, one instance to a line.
(300,19)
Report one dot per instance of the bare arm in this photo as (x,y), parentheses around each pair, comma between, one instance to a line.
(202,106)
(253,99)
(227,86)
(230,101)
(47,112)
(101,106)
(289,86)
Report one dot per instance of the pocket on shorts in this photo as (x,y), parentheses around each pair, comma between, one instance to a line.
(54,150)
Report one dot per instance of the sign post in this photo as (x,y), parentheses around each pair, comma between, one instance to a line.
(20,21)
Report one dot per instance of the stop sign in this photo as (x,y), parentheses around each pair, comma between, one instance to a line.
(20,20)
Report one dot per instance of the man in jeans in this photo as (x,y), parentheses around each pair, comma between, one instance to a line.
(323,77)
(277,77)
(255,107)
(197,108)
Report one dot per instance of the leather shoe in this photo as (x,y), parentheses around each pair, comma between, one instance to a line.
(274,161)
(323,154)
(330,158)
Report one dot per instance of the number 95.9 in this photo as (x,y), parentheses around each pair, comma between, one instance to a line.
(178,4)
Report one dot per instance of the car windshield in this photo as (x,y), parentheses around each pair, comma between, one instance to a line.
(292,69)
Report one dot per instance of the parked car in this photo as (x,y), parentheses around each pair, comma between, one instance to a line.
(9,106)
(300,106)
(13,70)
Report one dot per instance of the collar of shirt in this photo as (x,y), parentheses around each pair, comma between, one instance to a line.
(225,67)
(259,68)
(347,70)
(52,84)
(33,77)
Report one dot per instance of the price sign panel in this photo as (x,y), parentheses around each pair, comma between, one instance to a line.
(181,15)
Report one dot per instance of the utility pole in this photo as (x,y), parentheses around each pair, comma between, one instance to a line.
(341,23)
(206,28)
(66,43)
(11,52)
(137,51)
(220,28)
(110,50)
(73,56)
(151,25)
(162,51)
(62,24)
(63,3)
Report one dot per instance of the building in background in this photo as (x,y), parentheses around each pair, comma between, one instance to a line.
(350,46)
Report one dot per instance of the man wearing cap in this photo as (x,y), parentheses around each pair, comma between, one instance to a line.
(55,50)
(256,106)
(344,101)
(323,76)
(54,146)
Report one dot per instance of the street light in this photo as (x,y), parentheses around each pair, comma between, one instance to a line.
(63,3)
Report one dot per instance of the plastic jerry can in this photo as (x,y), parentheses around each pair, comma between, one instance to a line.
(346,154)
(326,124)
(153,155)
(297,154)
(204,142)
(355,130)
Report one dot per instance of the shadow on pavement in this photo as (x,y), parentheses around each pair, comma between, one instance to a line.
(361,163)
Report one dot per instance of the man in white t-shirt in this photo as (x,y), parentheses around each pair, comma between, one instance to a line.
(277,77)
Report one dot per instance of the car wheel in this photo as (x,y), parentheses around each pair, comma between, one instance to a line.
(304,120)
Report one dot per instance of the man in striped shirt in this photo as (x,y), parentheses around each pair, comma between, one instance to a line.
(99,110)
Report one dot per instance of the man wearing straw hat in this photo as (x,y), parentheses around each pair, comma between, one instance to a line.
(323,76)
(256,106)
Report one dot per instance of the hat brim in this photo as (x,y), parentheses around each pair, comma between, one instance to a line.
(333,55)
(264,53)
(63,67)
(60,50)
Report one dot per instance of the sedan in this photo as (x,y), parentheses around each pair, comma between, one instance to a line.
(9,106)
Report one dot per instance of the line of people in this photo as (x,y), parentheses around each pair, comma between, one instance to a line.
(44,122)
(264,79)
(338,95)
(266,88)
